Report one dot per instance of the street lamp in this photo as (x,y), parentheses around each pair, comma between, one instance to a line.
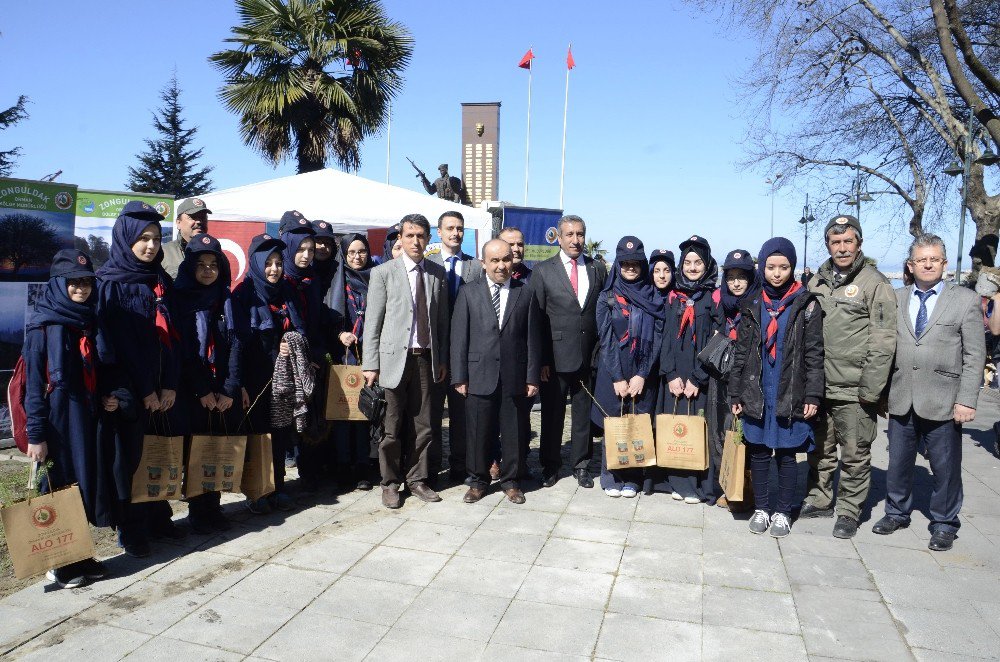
(773,181)
(987,158)
(859,197)
(806,219)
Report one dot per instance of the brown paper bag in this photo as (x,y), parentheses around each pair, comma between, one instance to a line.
(343,387)
(681,441)
(628,442)
(732,472)
(158,476)
(258,470)
(214,464)
(47,531)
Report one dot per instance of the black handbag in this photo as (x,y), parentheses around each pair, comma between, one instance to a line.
(371,402)
(717,356)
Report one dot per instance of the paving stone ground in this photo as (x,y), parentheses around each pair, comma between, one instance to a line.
(570,575)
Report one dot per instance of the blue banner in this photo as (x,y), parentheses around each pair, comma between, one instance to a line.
(540,229)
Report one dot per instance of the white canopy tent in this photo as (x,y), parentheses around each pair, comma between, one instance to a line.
(348,202)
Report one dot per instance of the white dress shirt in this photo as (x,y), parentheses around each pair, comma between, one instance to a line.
(458,263)
(915,303)
(504,294)
(411,275)
(583,283)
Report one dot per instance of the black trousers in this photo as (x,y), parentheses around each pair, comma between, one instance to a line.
(485,415)
(553,394)
(944,448)
(456,427)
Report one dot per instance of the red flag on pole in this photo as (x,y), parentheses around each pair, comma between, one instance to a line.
(525,62)
(570,62)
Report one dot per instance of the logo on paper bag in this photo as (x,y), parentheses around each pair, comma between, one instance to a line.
(680,430)
(43,517)
(352,380)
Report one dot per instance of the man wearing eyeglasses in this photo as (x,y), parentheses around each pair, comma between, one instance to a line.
(859,339)
(940,355)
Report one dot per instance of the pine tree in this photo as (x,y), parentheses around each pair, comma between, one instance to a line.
(168,164)
(9,118)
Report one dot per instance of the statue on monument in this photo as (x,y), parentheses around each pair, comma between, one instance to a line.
(445,187)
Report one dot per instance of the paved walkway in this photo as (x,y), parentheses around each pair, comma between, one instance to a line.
(570,575)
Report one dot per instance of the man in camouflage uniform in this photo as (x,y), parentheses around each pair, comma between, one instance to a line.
(859,337)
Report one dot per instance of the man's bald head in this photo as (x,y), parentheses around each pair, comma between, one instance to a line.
(497,260)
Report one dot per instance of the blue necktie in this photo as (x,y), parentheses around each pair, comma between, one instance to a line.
(922,313)
(453,280)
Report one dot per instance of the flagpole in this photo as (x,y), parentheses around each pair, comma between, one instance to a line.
(388,143)
(527,148)
(562,174)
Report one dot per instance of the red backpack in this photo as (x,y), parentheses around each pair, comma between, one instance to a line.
(16,390)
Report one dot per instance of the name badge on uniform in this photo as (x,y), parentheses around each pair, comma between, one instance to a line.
(851,291)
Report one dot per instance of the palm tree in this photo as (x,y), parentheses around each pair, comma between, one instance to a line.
(593,249)
(312,78)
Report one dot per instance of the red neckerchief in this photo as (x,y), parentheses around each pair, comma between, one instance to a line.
(282,310)
(164,330)
(358,312)
(626,311)
(87,354)
(771,342)
(687,316)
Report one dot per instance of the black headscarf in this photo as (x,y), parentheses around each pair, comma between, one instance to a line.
(356,282)
(777,246)
(390,241)
(707,280)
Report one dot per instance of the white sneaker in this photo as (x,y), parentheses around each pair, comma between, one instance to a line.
(692,499)
(759,522)
(676,496)
(614,493)
(629,492)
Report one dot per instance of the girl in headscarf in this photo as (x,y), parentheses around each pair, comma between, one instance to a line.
(265,306)
(353,443)
(391,247)
(777,381)
(692,319)
(630,316)
(740,284)
(61,399)
(300,249)
(138,342)
(662,268)
(212,395)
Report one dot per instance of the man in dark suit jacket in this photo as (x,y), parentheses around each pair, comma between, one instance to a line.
(940,355)
(566,287)
(513,236)
(495,363)
(460,268)
(405,349)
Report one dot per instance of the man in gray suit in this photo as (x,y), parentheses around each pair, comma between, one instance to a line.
(940,355)
(461,268)
(192,219)
(406,350)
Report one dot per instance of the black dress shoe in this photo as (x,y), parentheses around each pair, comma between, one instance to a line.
(941,541)
(887,525)
(169,531)
(550,480)
(583,478)
(845,527)
(810,511)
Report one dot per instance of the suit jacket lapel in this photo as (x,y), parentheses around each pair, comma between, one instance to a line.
(904,310)
(595,287)
(939,305)
(513,293)
(564,277)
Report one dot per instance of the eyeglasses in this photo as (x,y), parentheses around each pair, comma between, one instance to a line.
(933,261)
(730,279)
(360,253)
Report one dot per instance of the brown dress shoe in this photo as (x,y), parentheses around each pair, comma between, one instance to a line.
(424,493)
(514,495)
(495,471)
(473,495)
(722,502)
(390,497)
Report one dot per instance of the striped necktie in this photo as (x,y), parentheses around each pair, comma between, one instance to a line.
(496,300)
(921,324)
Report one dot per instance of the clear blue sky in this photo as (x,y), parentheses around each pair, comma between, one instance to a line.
(655,123)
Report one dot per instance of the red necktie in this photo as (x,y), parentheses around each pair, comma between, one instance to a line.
(574,278)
